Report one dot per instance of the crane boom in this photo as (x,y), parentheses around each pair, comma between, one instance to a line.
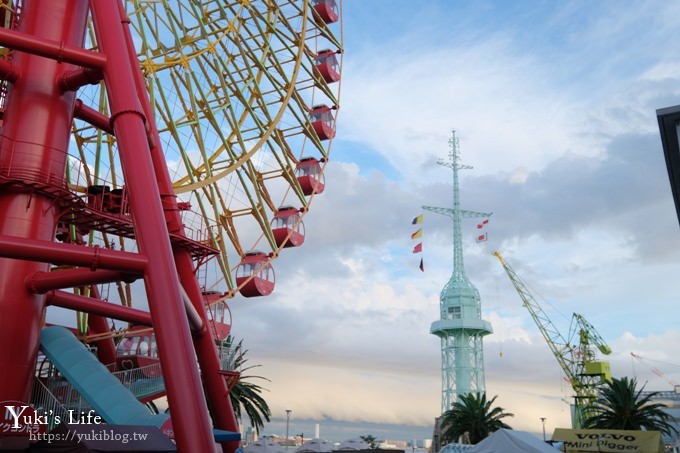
(577,360)
(558,345)
(656,371)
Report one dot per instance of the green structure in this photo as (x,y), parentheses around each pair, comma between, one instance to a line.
(576,353)
(460,327)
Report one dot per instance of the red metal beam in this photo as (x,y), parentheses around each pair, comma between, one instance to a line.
(97,324)
(215,385)
(97,307)
(191,422)
(55,50)
(73,80)
(93,117)
(41,282)
(8,71)
(69,254)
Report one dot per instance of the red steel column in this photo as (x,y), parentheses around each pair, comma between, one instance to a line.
(106,349)
(216,387)
(185,395)
(33,145)
(206,352)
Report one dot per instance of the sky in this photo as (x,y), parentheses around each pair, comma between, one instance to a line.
(554,104)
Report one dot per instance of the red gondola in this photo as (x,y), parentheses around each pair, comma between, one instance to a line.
(322,121)
(216,314)
(287,226)
(137,349)
(310,176)
(326,66)
(327,10)
(255,274)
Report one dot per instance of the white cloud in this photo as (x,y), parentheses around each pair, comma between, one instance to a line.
(554,106)
(496,101)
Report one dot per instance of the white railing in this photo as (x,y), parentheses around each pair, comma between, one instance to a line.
(44,402)
(227,358)
(144,381)
(66,395)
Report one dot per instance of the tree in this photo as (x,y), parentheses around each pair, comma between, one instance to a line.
(369,439)
(620,405)
(473,416)
(245,395)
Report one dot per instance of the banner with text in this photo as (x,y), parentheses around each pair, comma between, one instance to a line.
(608,440)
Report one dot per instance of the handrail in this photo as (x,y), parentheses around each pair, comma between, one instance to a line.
(56,410)
(143,381)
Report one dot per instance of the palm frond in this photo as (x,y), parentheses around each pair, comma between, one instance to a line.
(245,395)
(620,405)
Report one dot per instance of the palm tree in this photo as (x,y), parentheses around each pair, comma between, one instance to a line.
(620,405)
(245,395)
(473,416)
(369,439)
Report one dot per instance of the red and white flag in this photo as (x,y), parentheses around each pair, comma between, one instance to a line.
(481,237)
(483,224)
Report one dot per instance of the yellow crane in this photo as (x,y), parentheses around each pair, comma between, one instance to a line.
(576,354)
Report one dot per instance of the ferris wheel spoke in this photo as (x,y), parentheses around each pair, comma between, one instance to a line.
(234,86)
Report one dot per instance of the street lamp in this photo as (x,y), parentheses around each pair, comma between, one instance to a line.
(288,411)
(543,419)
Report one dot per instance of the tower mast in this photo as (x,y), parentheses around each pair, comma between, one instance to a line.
(460,327)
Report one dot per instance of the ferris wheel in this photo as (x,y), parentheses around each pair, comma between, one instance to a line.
(174,142)
(245,95)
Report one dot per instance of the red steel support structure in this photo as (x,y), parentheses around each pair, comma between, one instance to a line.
(33,144)
(34,140)
(204,341)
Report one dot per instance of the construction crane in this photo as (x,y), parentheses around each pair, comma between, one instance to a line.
(656,371)
(576,353)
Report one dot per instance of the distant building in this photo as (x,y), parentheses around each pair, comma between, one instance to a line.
(671,399)
(393,444)
(421,443)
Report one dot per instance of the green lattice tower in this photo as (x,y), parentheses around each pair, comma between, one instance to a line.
(461,327)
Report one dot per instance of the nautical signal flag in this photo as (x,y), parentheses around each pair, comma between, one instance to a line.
(481,237)
(418,234)
(483,224)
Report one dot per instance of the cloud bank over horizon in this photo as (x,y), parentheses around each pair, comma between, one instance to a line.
(554,105)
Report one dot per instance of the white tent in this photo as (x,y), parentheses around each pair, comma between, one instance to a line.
(511,441)
(264,446)
(456,448)
(353,444)
(315,445)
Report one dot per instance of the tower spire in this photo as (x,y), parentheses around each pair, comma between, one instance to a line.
(460,326)
(458,275)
